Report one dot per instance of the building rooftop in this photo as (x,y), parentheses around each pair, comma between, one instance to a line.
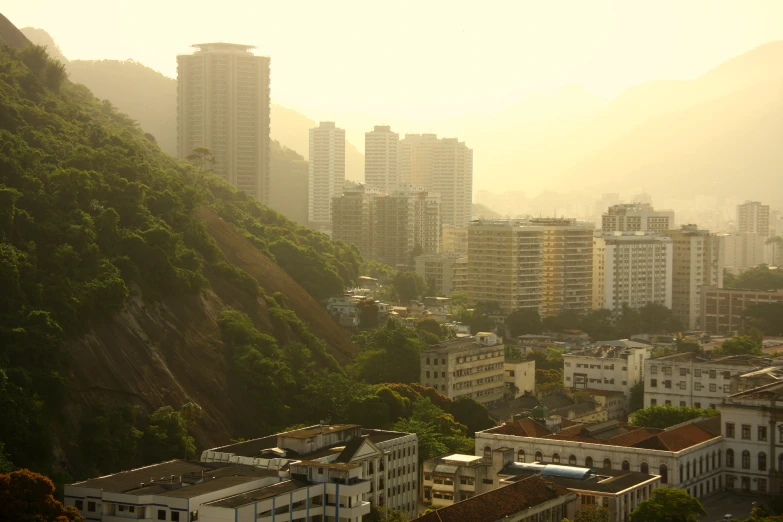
(180,478)
(312,431)
(578,478)
(607,350)
(771,391)
(462,459)
(749,361)
(499,503)
(462,343)
(259,494)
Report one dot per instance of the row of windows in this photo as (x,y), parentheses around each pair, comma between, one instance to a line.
(683,385)
(761,432)
(654,402)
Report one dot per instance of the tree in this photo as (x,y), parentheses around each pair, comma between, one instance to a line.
(6,466)
(428,324)
(628,322)
(668,505)
(567,319)
(524,321)
(408,285)
(29,496)
(599,325)
(656,318)
(742,345)
(387,354)
(202,158)
(472,414)
(166,436)
(592,513)
(109,437)
(767,317)
(368,314)
(759,278)
(665,416)
(636,401)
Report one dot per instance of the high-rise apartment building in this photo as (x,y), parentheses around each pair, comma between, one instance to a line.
(742,250)
(443,166)
(439,270)
(381,151)
(537,263)
(223,105)
(388,227)
(753,217)
(352,216)
(696,263)
(631,269)
(636,217)
(454,239)
(405,222)
(327,172)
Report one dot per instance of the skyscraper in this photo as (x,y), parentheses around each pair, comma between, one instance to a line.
(223,105)
(327,173)
(381,150)
(753,217)
(443,166)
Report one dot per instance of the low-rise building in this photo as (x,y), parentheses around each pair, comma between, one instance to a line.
(520,377)
(688,379)
(753,439)
(723,309)
(451,479)
(617,491)
(533,499)
(388,459)
(610,365)
(466,367)
(686,456)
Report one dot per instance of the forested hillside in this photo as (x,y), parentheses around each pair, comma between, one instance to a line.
(118,264)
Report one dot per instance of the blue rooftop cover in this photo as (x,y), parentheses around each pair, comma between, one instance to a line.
(553,470)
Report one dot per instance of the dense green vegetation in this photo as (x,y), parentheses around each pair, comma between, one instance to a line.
(28,496)
(90,211)
(742,345)
(759,278)
(765,317)
(669,505)
(665,416)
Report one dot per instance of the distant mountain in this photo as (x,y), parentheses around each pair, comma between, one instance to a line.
(150,98)
(483,212)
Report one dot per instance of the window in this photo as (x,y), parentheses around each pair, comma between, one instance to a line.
(626,466)
(487,453)
(681,385)
(762,433)
(713,387)
(746,483)
(727,388)
(654,370)
(320,471)
(443,374)
(663,471)
(683,371)
(727,375)
(80,505)
(521,456)
(589,462)
(194,514)
(682,404)
(746,459)
(667,370)
(713,374)
(644,468)
(556,458)
(746,432)
(668,403)
(572,460)
(607,464)
(697,373)
(161,514)
(667,384)
(428,360)
(730,430)
(175,516)
(698,386)
(762,461)
(436,361)
(697,405)
(90,506)
(653,383)
(762,485)
(729,458)
(443,361)
(539,456)
(427,374)
(653,402)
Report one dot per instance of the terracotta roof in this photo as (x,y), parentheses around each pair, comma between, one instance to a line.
(500,503)
(521,428)
(677,439)
(632,437)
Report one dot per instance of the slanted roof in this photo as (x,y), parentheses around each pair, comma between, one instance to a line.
(358,448)
(500,503)
(257,495)
(523,428)
(677,438)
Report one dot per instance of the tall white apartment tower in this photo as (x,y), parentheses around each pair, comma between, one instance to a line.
(753,217)
(327,173)
(223,105)
(381,151)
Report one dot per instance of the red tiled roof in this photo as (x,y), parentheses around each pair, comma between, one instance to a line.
(521,428)
(499,503)
(633,437)
(677,439)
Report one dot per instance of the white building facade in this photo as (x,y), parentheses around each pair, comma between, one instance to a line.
(381,151)
(326,174)
(611,366)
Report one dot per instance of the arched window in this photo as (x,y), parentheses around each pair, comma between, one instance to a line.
(762,461)
(729,458)
(521,456)
(607,464)
(746,459)
(718,452)
(556,458)
(626,466)
(682,473)
(644,468)
(701,465)
(589,461)
(687,471)
(487,452)
(663,471)
(539,456)
(713,460)
(572,460)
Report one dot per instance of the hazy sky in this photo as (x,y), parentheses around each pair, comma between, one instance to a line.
(421,58)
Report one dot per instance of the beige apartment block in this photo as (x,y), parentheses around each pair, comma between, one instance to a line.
(466,367)
(723,309)
(753,217)
(326,174)
(438,270)
(402,220)
(696,263)
(454,239)
(381,154)
(352,216)
(223,105)
(636,217)
(443,166)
